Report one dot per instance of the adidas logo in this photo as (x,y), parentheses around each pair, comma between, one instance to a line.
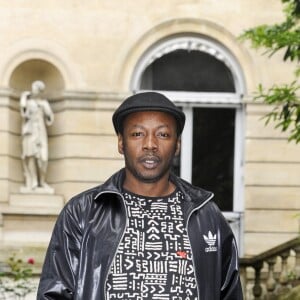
(210,240)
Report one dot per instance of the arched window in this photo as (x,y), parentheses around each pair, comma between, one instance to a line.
(203,78)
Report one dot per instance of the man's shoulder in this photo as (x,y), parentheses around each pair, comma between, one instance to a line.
(86,195)
(91,194)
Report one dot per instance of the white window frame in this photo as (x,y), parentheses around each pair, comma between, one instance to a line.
(188,100)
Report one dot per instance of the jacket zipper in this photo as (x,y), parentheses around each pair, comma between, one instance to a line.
(123,233)
(187,224)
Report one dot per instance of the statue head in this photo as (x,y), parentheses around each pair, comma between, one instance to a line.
(37,87)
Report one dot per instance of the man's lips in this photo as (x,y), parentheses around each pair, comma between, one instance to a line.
(149,162)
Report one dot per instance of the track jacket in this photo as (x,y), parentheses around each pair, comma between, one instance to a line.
(89,230)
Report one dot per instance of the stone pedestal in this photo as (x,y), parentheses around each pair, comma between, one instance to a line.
(36,201)
(28,219)
(47,190)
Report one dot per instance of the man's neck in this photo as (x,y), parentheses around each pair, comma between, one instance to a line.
(161,188)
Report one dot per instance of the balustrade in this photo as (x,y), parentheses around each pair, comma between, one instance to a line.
(268,283)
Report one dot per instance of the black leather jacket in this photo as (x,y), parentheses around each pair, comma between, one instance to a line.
(90,227)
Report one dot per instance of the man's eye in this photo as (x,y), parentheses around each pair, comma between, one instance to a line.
(163,134)
(136,134)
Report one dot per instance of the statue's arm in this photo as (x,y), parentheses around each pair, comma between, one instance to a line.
(23,102)
(49,116)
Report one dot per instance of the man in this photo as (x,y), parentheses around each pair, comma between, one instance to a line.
(145,233)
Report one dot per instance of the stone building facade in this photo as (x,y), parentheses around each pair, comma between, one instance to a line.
(92,54)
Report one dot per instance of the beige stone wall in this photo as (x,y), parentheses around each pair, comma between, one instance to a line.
(90,50)
(83,144)
(96,44)
(272,186)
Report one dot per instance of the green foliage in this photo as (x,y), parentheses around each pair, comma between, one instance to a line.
(285,37)
(286,111)
(15,280)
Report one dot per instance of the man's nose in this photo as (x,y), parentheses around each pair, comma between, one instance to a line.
(150,142)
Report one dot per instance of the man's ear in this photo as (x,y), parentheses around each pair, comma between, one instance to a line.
(178,146)
(120,144)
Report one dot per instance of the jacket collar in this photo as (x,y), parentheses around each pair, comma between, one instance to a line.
(193,195)
(111,185)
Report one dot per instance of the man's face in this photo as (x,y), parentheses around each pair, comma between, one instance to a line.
(149,143)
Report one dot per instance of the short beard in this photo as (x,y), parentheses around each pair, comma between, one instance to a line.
(139,176)
(151,179)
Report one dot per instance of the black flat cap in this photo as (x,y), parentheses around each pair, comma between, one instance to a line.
(147,101)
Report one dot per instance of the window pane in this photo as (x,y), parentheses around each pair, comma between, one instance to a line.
(184,70)
(213,153)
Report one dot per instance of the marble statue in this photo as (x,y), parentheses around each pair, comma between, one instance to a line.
(37,114)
